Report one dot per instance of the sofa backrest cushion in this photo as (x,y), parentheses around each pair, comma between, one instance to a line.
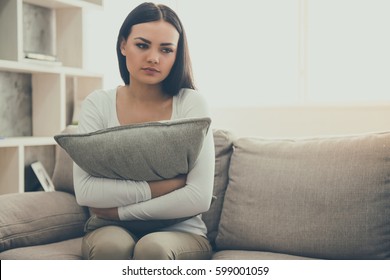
(36,218)
(63,169)
(223,141)
(322,198)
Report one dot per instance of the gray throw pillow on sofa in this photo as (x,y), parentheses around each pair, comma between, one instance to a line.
(147,151)
(323,198)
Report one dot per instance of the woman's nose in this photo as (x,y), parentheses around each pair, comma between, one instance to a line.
(153,58)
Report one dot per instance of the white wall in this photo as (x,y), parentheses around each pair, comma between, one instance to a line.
(302,121)
(241,107)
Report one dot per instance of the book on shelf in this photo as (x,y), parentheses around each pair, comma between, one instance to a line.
(46,58)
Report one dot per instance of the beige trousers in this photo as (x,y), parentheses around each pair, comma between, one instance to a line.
(116,243)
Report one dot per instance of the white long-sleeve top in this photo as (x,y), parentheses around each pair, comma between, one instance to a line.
(133,198)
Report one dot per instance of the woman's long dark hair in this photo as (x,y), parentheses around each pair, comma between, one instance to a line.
(181,72)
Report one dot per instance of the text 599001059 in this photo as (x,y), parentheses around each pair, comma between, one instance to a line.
(242,270)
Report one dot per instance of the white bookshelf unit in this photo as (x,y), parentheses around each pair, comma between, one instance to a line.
(55,86)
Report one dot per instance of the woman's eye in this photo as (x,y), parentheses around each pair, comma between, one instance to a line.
(142,45)
(167,50)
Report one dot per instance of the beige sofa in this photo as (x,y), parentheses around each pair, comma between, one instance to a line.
(323,198)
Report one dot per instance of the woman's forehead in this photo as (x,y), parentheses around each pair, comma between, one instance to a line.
(156,31)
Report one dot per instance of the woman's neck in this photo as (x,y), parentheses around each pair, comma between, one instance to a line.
(145,93)
(138,105)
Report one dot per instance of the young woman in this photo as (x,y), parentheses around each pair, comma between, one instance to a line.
(155,66)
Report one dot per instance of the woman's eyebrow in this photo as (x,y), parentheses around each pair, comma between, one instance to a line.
(167,44)
(149,42)
(143,39)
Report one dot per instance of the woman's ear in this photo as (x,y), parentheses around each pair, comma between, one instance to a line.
(123,47)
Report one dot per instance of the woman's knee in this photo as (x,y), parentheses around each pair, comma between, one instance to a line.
(108,243)
(151,247)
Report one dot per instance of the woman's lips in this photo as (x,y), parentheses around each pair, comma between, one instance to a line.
(150,70)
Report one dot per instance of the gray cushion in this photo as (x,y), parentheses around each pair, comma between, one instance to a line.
(148,151)
(36,218)
(320,198)
(253,255)
(64,250)
(223,141)
(63,168)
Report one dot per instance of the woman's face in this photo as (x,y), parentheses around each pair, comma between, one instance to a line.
(150,51)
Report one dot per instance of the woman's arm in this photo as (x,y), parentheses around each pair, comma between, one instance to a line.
(103,193)
(158,188)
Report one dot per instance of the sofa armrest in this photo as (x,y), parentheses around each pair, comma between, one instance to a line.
(35,218)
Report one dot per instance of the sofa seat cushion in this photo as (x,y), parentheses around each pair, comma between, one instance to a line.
(326,198)
(64,250)
(253,255)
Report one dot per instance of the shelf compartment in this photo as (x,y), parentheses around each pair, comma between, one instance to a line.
(67,30)
(39,32)
(44,154)
(17,154)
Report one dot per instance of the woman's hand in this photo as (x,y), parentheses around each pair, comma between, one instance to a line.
(106,213)
(159,188)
